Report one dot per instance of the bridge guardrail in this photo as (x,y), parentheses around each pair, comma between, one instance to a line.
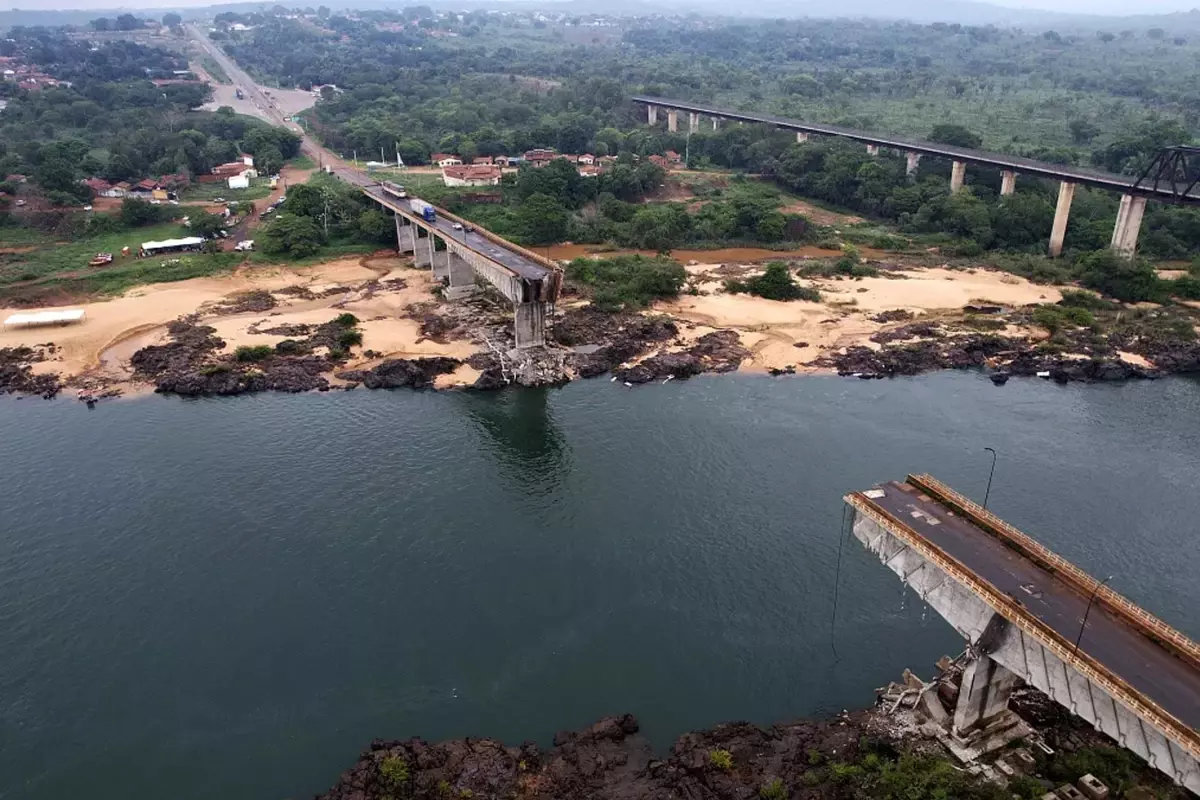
(1187,738)
(1151,626)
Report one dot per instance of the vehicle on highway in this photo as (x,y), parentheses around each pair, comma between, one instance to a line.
(457,226)
(394,189)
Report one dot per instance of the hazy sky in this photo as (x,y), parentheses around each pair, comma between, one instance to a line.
(1114,7)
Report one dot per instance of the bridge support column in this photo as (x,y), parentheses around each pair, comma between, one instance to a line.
(872,149)
(912,161)
(1066,193)
(1129,224)
(404,240)
(801,137)
(716,123)
(958,175)
(462,277)
(530,324)
(1008,182)
(693,122)
(673,121)
(651,115)
(983,695)
(422,252)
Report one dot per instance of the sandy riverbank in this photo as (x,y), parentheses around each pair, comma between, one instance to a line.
(796,333)
(100,348)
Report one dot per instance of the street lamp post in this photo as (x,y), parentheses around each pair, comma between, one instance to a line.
(990,476)
(1088,611)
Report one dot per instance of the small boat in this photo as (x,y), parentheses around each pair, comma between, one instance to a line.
(101,259)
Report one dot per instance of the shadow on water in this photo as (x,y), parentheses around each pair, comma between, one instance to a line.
(529,444)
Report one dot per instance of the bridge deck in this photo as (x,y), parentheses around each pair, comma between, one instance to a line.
(1127,650)
(519,264)
(1026,166)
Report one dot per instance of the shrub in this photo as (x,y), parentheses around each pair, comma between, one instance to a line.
(814,756)
(1118,768)
(721,759)
(248,353)
(1055,318)
(1026,788)
(845,773)
(350,338)
(1130,280)
(627,282)
(346,320)
(775,790)
(215,369)
(774,284)
(1187,287)
(394,772)
(1074,298)
(337,354)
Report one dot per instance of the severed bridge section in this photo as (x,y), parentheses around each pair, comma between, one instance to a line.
(530,281)
(1028,613)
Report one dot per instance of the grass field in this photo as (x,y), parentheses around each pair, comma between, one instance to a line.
(259,188)
(214,69)
(52,257)
(302,162)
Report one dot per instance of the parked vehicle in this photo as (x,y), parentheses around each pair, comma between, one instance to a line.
(101,259)
(244,245)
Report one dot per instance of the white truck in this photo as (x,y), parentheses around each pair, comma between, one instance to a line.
(244,245)
(423,209)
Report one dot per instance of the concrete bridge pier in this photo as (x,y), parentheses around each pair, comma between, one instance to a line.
(462,277)
(422,251)
(1129,224)
(716,123)
(801,137)
(651,115)
(983,695)
(912,161)
(405,236)
(872,149)
(1066,193)
(958,176)
(673,121)
(693,122)
(1008,182)
(530,324)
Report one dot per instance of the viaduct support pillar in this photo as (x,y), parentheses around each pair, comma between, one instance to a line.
(651,115)
(403,236)
(462,277)
(1008,182)
(913,160)
(872,149)
(1066,193)
(801,137)
(422,251)
(716,123)
(958,175)
(693,122)
(1129,223)
(530,323)
(673,121)
(983,695)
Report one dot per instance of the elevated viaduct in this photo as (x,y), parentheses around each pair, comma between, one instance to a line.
(1027,613)
(530,281)
(1134,193)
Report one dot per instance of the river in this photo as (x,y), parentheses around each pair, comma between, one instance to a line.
(229,598)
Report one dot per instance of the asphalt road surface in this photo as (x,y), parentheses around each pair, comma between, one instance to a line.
(1127,652)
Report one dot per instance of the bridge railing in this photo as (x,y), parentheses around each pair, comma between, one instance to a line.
(1080,660)
(541,261)
(1140,619)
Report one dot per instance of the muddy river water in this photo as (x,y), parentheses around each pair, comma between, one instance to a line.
(230,598)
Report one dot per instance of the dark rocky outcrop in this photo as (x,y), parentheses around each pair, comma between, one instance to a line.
(719,351)
(396,373)
(17,376)
(617,337)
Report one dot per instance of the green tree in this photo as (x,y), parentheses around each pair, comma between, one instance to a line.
(376,226)
(205,224)
(171,19)
(955,135)
(1130,280)
(542,219)
(289,234)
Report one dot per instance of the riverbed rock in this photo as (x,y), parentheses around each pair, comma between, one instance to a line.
(395,373)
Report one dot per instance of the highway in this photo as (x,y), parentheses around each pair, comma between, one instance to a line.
(1024,166)
(512,260)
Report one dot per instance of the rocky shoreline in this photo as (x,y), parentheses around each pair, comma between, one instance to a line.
(631,347)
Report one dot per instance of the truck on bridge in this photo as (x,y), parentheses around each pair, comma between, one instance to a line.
(394,189)
(423,209)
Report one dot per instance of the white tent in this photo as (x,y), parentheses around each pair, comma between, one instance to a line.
(33,318)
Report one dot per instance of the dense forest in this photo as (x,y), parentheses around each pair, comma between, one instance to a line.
(113,122)
(485,84)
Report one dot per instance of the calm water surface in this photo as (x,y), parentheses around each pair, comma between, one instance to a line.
(230,598)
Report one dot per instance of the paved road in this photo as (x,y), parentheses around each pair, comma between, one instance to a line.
(520,265)
(1025,166)
(1146,666)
